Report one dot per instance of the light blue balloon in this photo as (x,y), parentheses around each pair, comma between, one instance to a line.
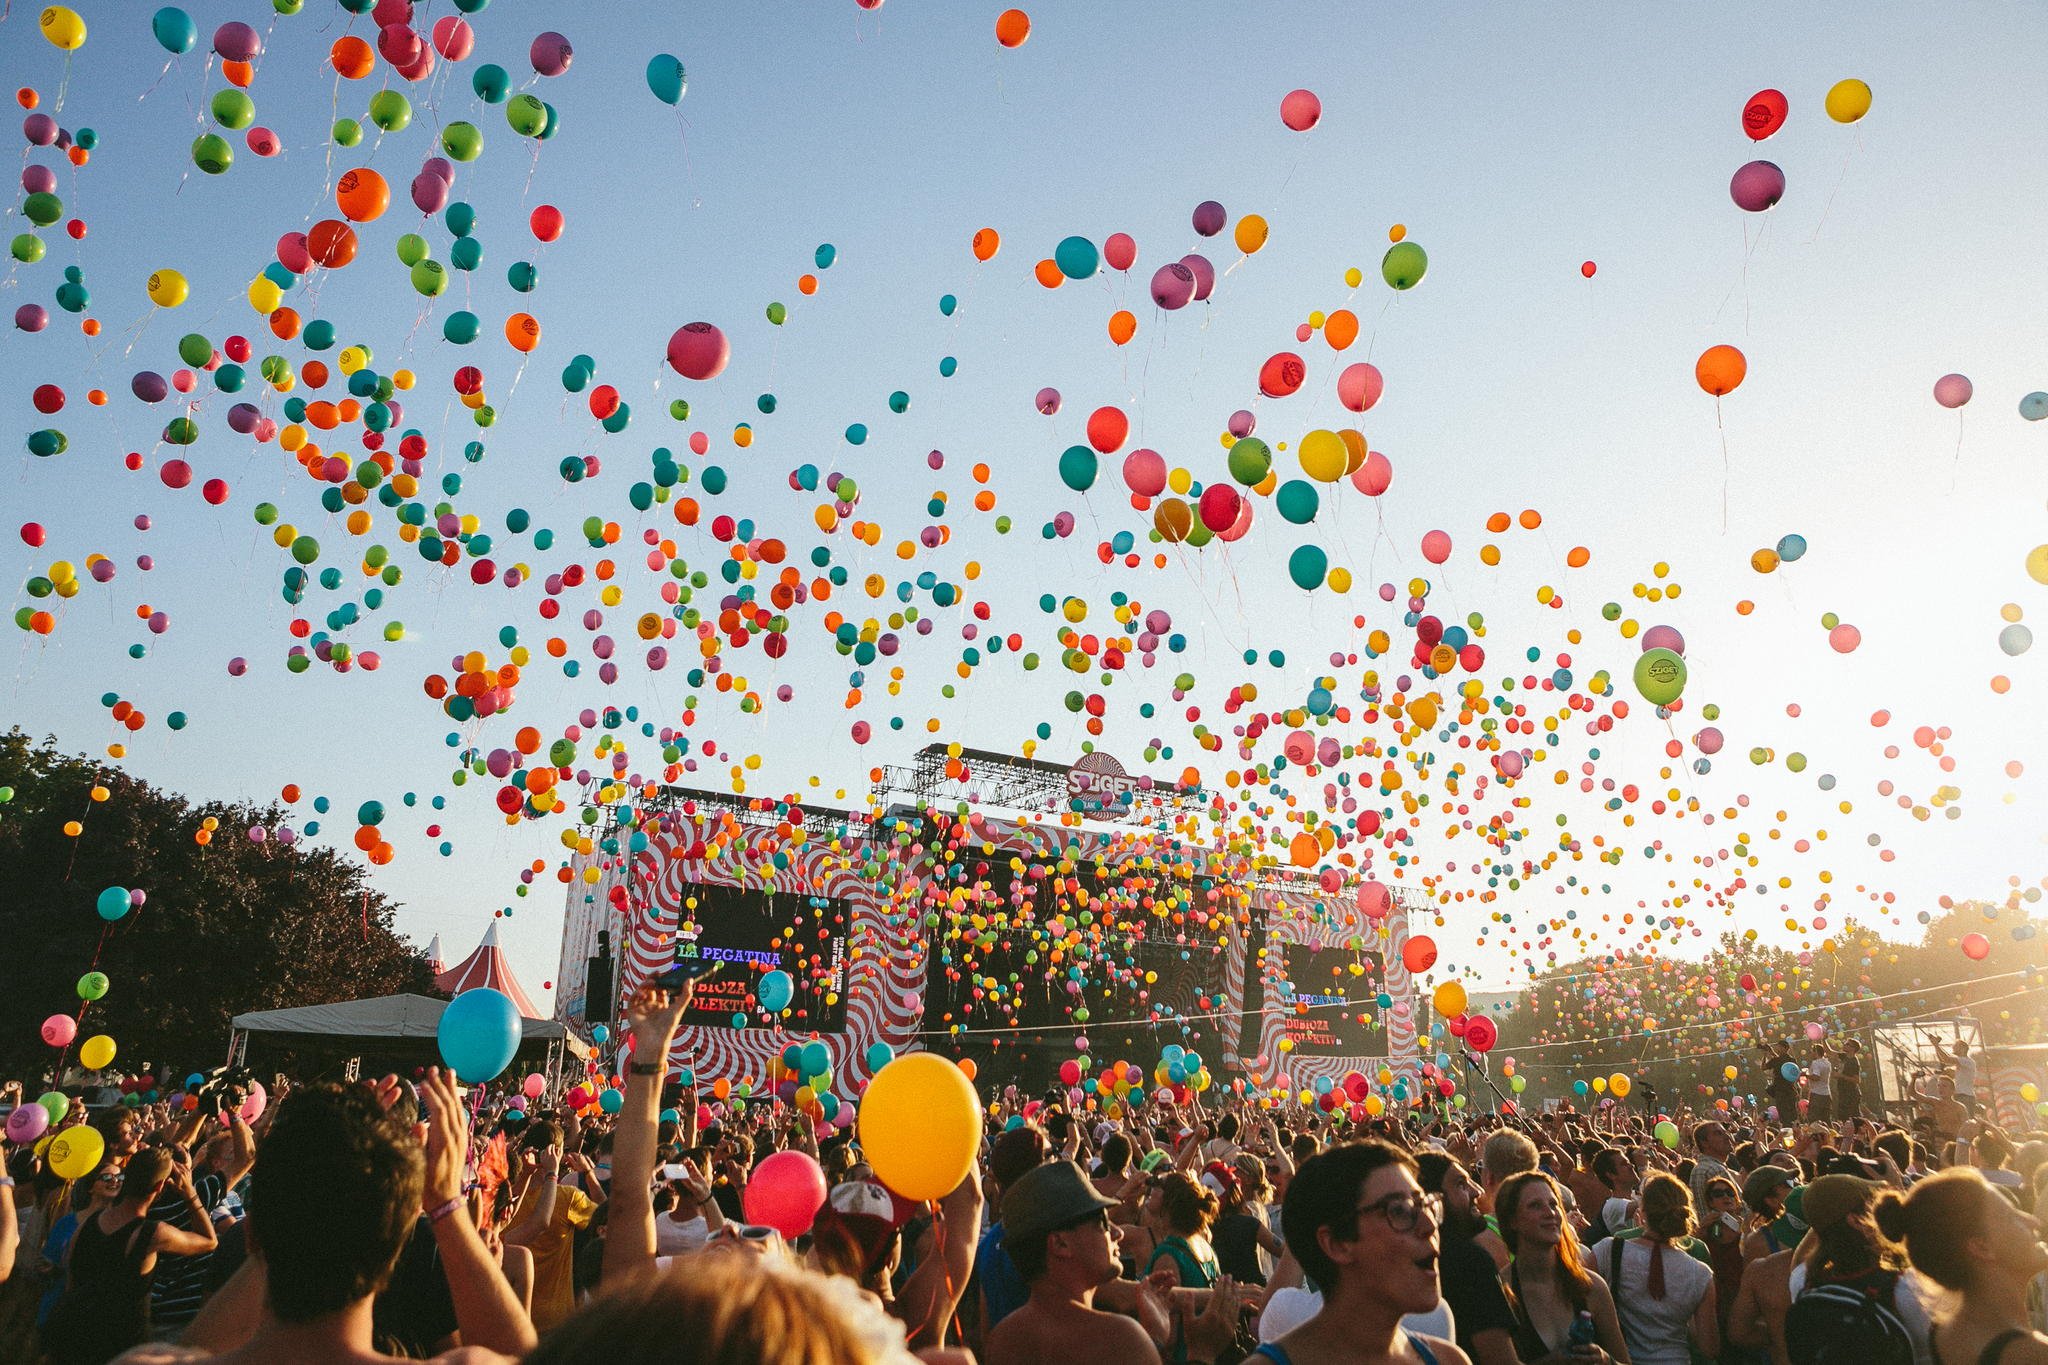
(113,902)
(879,1055)
(1076,257)
(478,1033)
(775,991)
(2034,406)
(174,29)
(666,78)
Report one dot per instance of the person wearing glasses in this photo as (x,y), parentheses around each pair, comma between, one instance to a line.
(1365,1233)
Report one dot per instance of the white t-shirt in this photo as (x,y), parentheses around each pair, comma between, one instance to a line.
(1820,1076)
(1655,1329)
(676,1239)
(1966,1077)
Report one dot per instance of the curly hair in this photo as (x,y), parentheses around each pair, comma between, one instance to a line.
(1189,1205)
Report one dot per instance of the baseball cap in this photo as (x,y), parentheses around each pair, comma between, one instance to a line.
(1832,1198)
(1049,1197)
(1761,1181)
(866,1214)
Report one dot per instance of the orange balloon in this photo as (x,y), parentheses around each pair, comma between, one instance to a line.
(1720,370)
(1531,519)
(807,285)
(1340,329)
(1049,273)
(986,243)
(968,1068)
(332,243)
(352,57)
(1497,523)
(239,74)
(523,331)
(362,195)
(284,323)
(1013,26)
(1579,557)
(1123,325)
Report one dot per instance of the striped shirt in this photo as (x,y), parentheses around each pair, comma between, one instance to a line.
(180,1283)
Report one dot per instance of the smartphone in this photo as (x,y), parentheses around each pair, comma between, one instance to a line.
(675,1170)
(685,969)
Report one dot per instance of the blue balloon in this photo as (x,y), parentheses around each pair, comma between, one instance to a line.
(478,1033)
(879,1055)
(1076,257)
(611,1101)
(113,902)
(775,991)
(666,78)
(174,29)
(599,1034)
(1790,1071)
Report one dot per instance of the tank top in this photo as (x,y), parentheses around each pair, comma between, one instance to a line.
(1277,1353)
(1993,1348)
(105,1308)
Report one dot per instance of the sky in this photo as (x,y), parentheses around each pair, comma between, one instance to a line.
(1512,142)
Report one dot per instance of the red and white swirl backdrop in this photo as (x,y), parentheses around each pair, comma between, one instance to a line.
(1317,919)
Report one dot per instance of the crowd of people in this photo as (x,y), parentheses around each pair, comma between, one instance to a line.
(413,1220)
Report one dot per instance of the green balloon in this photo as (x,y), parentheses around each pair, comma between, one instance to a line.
(212,154)
(305,549)
(490,82)
(466,254)
(181,431)
(460,328)
(347,132)
(777,314)
(462,141)
(233,109)
(390,110)
(526,115)
(1078,468)
(92,986)
(1250,459)
(1404,265)
(679,409)
(1298,501)
(412,249)
(27,248)
(1308,566)
(194,349)
(42,209)
(1660,676)
(265,514)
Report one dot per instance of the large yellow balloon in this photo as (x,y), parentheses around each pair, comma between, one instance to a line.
(1450,999)
(1322,456)
(920,1125)
(64,28)
(1848,101)
(264,295)
(167,289)
(97,1052)
(1619,1084)
(1251,233)
(2037,563)
(75,1151)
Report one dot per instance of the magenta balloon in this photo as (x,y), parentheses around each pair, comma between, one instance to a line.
(399,45)
(1663,637)
(31,317)
(38,180)
(1708,740)
(1218,507)
(439,167)
(263,141)
(1300,109)
(1757,186)
(1360,386)
(1062,524)
(1242,423)
(26,1123)
(1173,285)
(420,67)
(1204,273)
(550,54)
(1953,390)
(1374,476)
(293,253)
(1510,764)
(698,350)
(454,38)
(237,42)
(1209,218)
(1145,472)
(40,130)
(1121,251)
(429,193)
(1048,401)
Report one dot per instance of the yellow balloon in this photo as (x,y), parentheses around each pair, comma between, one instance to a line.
(1620,1085)
(1450,999)
(1374,1105)
(352,358)
(2037,563)
(920,1125)
(264,295)
(97,1052)
(64,28)
(75,1151)
(2030,1092)
(1322,456)
(1600,1085)
(1251,233)
(167,288)
(1848,101)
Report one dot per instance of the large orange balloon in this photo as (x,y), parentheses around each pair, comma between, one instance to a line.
(1013,26)
(1123,325)
(352,57)
(1340,329)
(986,243)
(362,195)
(523,331)
(1720,370)
(331,242)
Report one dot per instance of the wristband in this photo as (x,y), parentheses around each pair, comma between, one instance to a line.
(645,1068)
(437,1213)
(6,1182)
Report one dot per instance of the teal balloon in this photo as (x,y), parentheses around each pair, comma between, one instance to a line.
(1250,460)
(899,401)
(1298,501)
(460,218)
(526,115)
(478,1034)
(825,255)
(1404,265)
(113,903)
(879,1055)
(1308,566)
(490,82)
(575,377)
(1077,258)
(621,415)
(2034,406)
(48,442)
(174,29)
(318,336)
(666,78)
(523,276)
(947,303)
(774,991)
(1078,468)
(467,253)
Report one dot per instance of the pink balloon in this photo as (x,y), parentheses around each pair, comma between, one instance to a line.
(254,1103)
(698,350)
(59,1030)
(1374,476)
(1173,285)
(1121,251)
(1300,746)
(1663,637)
(1953,390)
(1360,386)
(292,253)
(1844,638)
(1145,473)
(1300,110)
(1757,186)
(1709,740)
(1241,525)
(1436,547)
(1374,899)
(1048,401)
(454,38)
(1204,273)
(786,1193)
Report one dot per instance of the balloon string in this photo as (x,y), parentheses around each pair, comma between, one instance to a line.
(1724,462)
(1826,208)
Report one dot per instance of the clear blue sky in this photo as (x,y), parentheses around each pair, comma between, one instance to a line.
(1514,142)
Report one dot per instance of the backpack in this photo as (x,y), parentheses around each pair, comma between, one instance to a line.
(1838,1324)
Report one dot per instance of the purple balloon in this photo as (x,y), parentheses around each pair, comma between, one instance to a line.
(27,1123)
(39,129)
(31,317)
(1048,401)
(1242,423)
(237,42)
(439,167)
(657,658)
(1663,637)
(429,193)
(242,417)
(38,180)
(1209,218)
(150,386)
(550,53)
(1204,273)
(1757,186)
(1173,284)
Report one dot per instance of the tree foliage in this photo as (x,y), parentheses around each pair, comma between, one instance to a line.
(228,926)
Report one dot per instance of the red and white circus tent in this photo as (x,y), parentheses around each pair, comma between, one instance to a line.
(487,967)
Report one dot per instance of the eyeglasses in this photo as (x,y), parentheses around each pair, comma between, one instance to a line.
(1097,1219)
(1405,1209)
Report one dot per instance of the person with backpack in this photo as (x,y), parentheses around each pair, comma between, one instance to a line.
(1960,1232)
(1854,1301)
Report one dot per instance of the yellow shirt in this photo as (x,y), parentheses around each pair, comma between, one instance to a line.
(554,1259)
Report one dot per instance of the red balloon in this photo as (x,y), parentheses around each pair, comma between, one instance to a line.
(699,350)
(546,222)
(1120,250)
(48,398)
(1418,954)
(1282,374)
(1764,114)
(1218,506)
(32,534)
(1107,428)
(1480,1034)
(1587,269)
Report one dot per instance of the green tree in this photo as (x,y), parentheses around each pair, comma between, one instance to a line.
(227,926)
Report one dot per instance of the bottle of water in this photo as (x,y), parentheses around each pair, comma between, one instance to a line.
(1582,1334)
